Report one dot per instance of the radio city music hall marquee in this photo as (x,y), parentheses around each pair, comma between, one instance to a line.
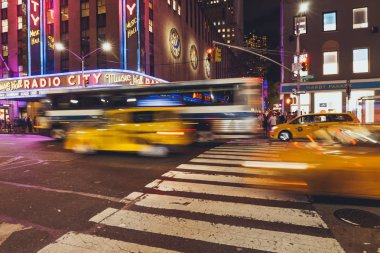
(65,81)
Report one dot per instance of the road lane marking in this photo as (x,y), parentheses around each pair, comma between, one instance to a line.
(299,217)
(11,160)
(232,179)
(251,238)
(41,188)
(243,150)
(83,243)
(229,191)
(7,229)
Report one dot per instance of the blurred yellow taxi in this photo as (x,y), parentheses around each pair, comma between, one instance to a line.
(147,131)
(303,126)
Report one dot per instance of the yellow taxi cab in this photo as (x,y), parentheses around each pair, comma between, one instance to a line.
(303,126)
(147,131)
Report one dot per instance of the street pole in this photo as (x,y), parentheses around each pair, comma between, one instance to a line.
(298,49)
(83,83)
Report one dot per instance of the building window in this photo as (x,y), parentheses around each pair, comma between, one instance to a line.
(300,25)
(4,4)
(360,18)
(102,20)
(360,60)
(5,50)
(4,38)
(64,14)
(169,2)
(85,9)
(150,25)
(329,21)
(179,8)
(19,19)
(330,63)
(174,5)
(65,26)
(4,26)
(4,14)
(102,7)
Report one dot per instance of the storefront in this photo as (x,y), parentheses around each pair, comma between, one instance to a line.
(19,96)
(332,97)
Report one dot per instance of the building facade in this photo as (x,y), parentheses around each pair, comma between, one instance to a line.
(255,65)
(340,43)
(167,40)
(227,18)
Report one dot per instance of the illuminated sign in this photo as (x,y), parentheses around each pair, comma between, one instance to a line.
(35,35)
(207,66)
(73,80)
(132,33)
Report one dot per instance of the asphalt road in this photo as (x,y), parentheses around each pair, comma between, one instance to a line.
(52,200)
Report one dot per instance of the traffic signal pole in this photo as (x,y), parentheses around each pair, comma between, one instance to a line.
(298,55)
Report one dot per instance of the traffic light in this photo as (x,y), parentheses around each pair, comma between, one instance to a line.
(218,54)
(305,63)
(288,101)
(209,55)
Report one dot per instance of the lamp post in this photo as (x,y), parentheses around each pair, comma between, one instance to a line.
(105,47)
(304,6)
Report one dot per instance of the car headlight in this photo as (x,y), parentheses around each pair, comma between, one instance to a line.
(274,128)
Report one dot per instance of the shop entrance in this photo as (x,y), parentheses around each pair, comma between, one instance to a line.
(4,117)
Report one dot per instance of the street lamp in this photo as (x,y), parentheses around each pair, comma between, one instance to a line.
(105,47)
(303,8)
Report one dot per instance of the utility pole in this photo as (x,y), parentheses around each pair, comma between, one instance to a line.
(298,49)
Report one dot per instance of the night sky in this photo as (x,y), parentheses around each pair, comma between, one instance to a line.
(263,18)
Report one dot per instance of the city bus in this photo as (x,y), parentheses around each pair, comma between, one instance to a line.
(219,108)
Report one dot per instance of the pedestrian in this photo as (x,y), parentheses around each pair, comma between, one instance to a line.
(272,121)
(29,124)
(264,122)
(282,119)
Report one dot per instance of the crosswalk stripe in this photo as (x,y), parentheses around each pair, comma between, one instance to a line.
(242,150)
(224,162)
(245,149)
(229,152)
(83,243)
(239,170)
(252,238)
(231,179)
(7,229)
(230,209)
(238,157)
(229,191)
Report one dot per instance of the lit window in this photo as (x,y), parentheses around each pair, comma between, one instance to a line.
(223,30)
(101,6)
(168,2)
(64,14)
(223,35)
(174,5)
(329,21)
(5,50)
(19,2)
(4,4)
(360,60)
(228,41)
(179,9)
(360,18)
(4,26)
(150,25)
(218,30)
(150,5)
(330,63)
(300,25)
(85,7)
(19,23)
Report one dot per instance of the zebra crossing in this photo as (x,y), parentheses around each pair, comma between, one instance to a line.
(212,200)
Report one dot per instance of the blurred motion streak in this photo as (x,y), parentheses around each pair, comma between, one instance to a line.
(339,160)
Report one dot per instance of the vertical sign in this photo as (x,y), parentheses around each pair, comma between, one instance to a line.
(49,36)
(132,34)
(34,9)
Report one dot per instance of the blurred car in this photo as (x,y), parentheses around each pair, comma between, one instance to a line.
(303,126)
(147,131)
(340,160)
